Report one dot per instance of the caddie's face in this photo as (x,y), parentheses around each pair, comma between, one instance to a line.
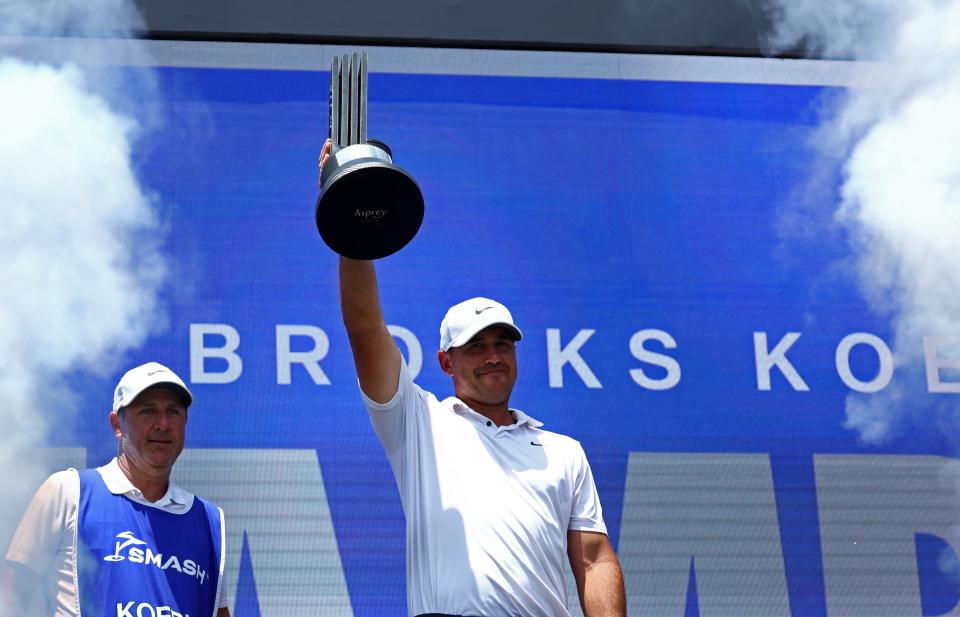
(151,429)
(484,369)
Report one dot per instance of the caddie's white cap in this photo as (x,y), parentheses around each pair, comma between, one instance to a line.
(464,320)
(148,375)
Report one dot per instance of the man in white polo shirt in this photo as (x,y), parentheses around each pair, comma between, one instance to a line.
(492,501)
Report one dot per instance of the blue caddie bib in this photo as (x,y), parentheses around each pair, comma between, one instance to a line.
(137,561)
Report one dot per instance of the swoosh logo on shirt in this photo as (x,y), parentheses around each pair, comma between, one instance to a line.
(533,443)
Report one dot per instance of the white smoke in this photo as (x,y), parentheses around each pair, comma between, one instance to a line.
(900,196)
(81,267)
(69,18)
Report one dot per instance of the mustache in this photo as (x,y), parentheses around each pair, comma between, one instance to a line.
(493,368)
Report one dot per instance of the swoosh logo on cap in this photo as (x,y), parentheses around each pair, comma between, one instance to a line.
(155,371)
(478,311)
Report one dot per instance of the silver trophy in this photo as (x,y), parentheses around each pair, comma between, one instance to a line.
(368,207)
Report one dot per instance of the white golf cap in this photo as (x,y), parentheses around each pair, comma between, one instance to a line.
(464,320)
(148,375)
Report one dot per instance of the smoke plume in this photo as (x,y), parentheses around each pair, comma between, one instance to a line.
(81,268)
(900,197)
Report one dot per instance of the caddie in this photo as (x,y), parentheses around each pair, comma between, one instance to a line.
(122,540)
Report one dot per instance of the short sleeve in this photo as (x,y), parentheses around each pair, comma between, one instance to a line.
(391,419)
(43,531)
(586,513)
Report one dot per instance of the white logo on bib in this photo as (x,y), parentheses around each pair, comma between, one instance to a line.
(146,556)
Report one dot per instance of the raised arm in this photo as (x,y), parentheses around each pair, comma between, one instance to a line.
(597,572)
(375,354)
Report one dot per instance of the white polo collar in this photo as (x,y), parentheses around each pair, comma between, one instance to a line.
(520,418)
(175,500)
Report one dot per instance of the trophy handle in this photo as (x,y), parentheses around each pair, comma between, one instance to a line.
(348,100)
(334,115)
(362,99)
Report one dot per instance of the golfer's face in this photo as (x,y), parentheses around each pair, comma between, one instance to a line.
(485,368)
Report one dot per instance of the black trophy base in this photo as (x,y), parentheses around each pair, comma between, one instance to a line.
(371,211)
